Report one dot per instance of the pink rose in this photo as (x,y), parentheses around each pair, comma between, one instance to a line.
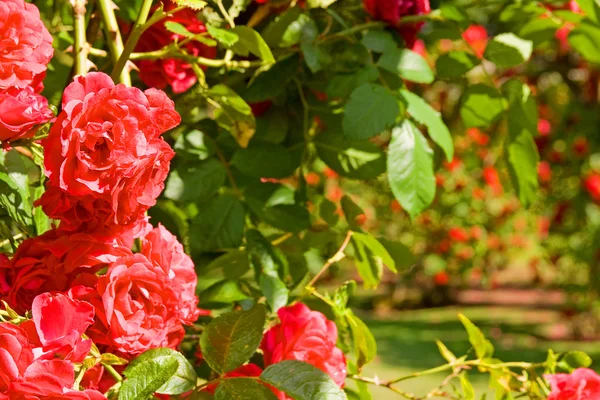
(52,262)
(581,384)
(59,322)
(163,250)
(16,354)
(105,159)
(20,111)
(140,306)
(308,336)
(25,47)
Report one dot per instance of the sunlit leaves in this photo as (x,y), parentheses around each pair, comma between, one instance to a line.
(481,106)
(508,50)
(407,64)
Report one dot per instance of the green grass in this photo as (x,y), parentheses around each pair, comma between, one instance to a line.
(406,342)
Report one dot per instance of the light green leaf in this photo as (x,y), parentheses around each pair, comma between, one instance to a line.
(410,168)
(468,392)
(483,347)
(364,343)
(219,224)
(274,290)
(250,41)
(198,181)
(585,39)
(302,381)
(243,389)
(351,158)
(302,29)
(178,29)
(233,114)
(445,352)
(572,360)
(224,292)
(421,111)
(377,250)
(591,9)
(225,37)
(274,32)
(407,64)
(320,3)
(232,338)
(508,50)
(482,105)
(193,4)
(455,64)
(370,110)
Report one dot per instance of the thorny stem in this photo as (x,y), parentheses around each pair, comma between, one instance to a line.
(338,256)
(81,45)
(113,36)
(138,28)
(9,241)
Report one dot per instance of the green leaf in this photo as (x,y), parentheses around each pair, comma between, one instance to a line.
(483,347)
(407,64)
(250,41)
(287,217)
(41,221)
(14,189)
(233,114)
(508,50)
(219,224)
(572,360)
(178,29)
(224,36)
(272,126)
(455,64)
(274,290)
(591,9)
(264,160)
(453,13)
(274,32)
(379,41)
(341,85)
(232,338)
(193,4)
(243,389)
(402,255)
(585,39)
(198,181)
(327,211)
(364,343)
(426,115)
(539,31)
(302,29)
(468,392)
(163,371)
(351,211)
(410,168)
(224,292)
(302,381)
(445,352)
(482,105)
(320,3)
(523,155)
(234,264)
(357,159)
(370,110)
(315,56)
(378,251)
(273,82)
(111,359)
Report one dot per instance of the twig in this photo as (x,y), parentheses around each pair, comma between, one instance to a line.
(338,256)
(9,241)
(81,45)
(113,372)
(113,36)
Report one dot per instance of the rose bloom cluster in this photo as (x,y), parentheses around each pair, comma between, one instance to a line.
(392,11)
(25,52)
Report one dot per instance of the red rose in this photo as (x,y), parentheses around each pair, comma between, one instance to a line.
(307,336)
(50,380)
(392,11)
(26,47)
(16,354)
(592,185)
(581,384)
(173,72)
(140,306)
(476,36)
(163,250)
(52,262)
(458,234)
(492,179)
(105,160)
(20,111)
(59,322)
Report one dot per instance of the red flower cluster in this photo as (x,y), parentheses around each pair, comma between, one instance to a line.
(173,72)
(581,384)
(392,11)
(24,54)
(36,358)
(592,185)
(105,159)
(477,37)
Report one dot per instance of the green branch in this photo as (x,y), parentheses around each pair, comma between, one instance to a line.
(81,45)
(113,37)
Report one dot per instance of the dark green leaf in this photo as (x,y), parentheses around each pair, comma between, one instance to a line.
(585,39)
(250,41)
(508,50)
(370,110)
(327,211)
(410,168)
(364,343)
(342,85)
(243,389)
(407,64)
(224,292)
(264,160)
(233,114)
(302,29)
(199,181)
(455,64)
(272,126)
(274,32)
(426,115)
(377,250)
(234,264)
(287,217)
(357,159)
(274,290)
(402,255)
(351,211)
(481,106)
(232,338)
(379,41)
(315,56)
(218,225)
(302,381)
(272,83)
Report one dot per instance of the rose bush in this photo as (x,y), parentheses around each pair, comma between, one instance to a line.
(274,143)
